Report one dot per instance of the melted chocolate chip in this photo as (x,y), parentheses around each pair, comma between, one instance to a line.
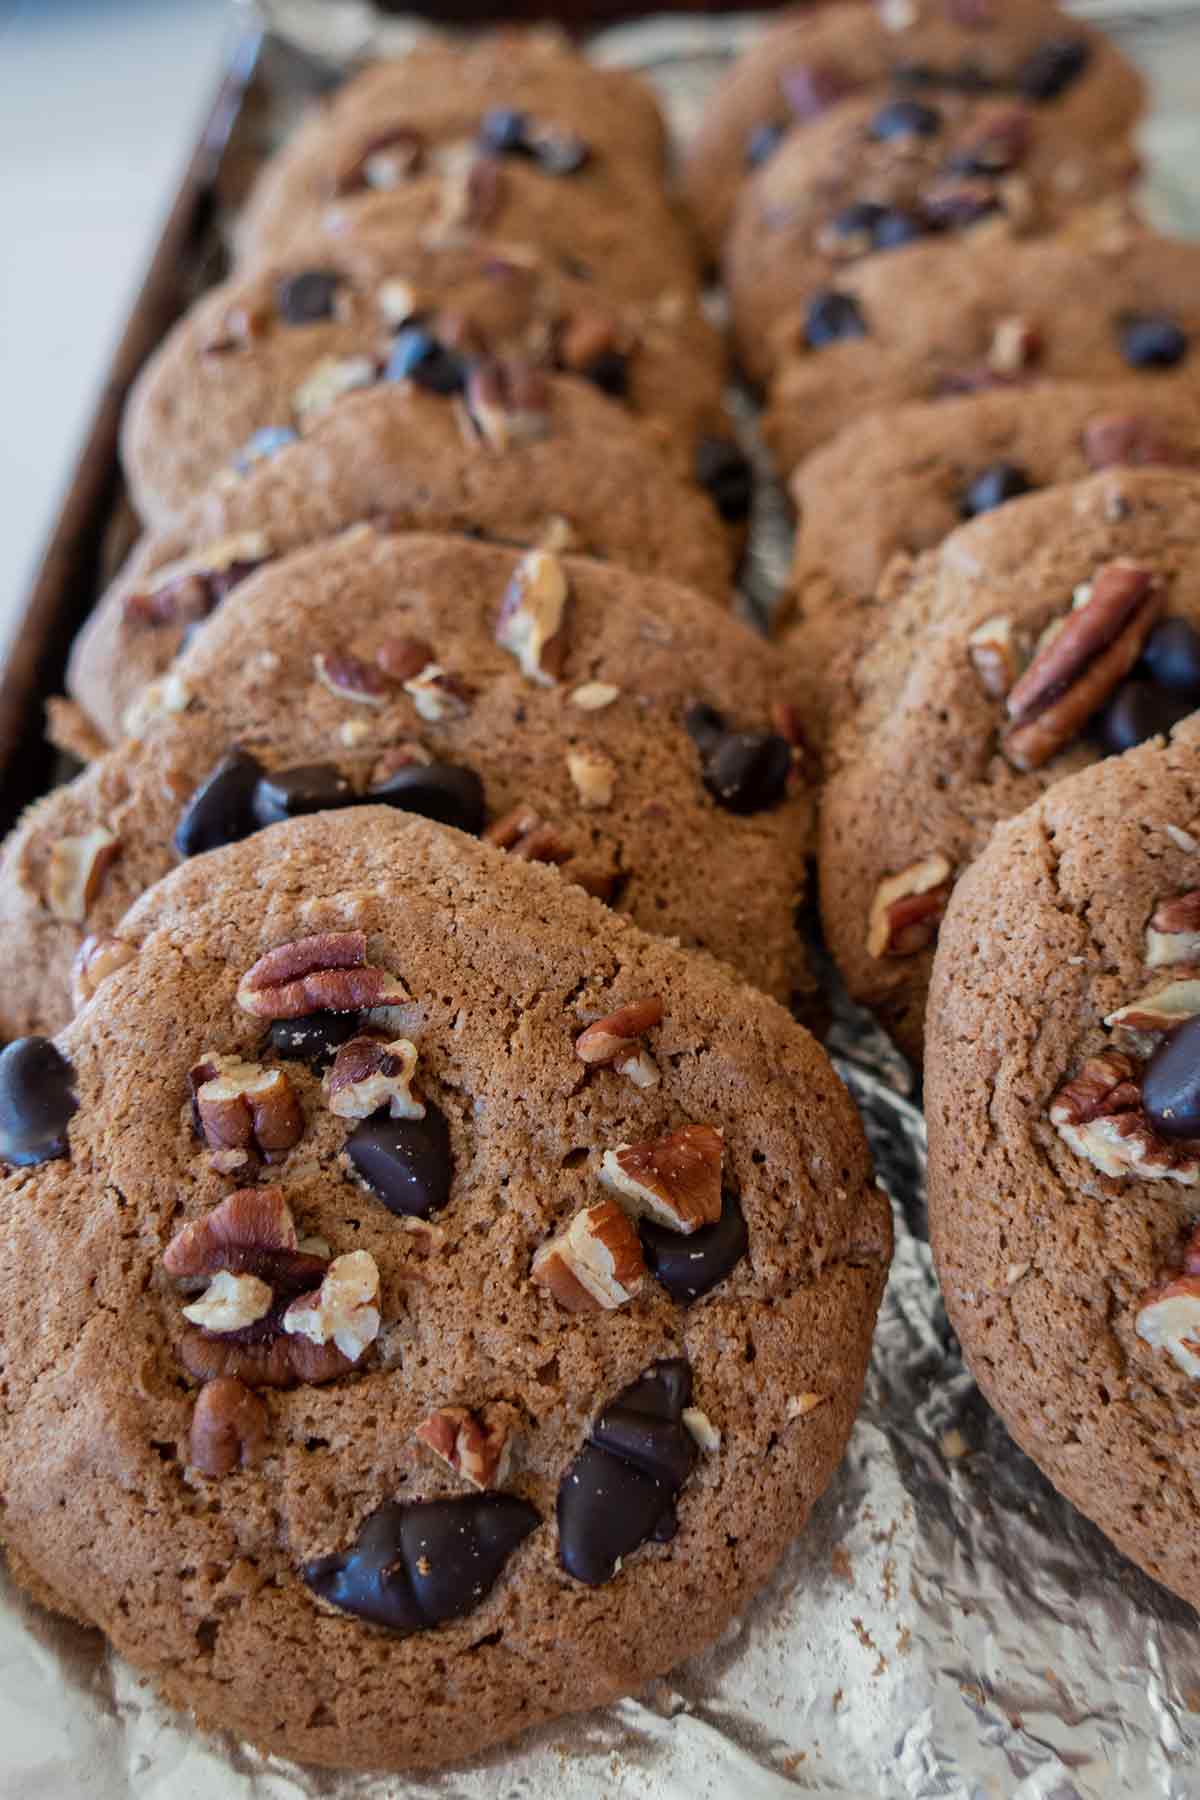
(1140,710)
(1171,1083)
(725,472)
(308,298)
(905,118)
(441,791)
(748,771)
(221,811)
(37,1102)
(762,144)
(999,482)
(1172,656)
(621,1489)
(414,1566)
(407,1163)
(418,356)
(1151,341)
(1052,68)
(315,1038)
(293,793)
(690,1266)
(831,318)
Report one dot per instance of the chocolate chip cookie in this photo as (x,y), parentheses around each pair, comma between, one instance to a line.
(521,458)
(1103,300)
(809,61)
(625,730)
(881,173)
(431,1305)
(898,482)
(1063,1101)
(1040,638)
(261,357)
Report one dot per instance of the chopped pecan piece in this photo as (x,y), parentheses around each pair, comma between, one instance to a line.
(675,1180)
(1159,1011)
(532,623)
(593,696)
(508,403)
(1075,671)
(524,833)
(476,1447)
(350,678)
(595,1264)
(472,193)
(1130,440)
(230,1303)
(384,162)
(702,1429)
(328,972)
(242,1106)
(188,590)
(98,957)
(344,1311)
(908,908)
(329,379)
(594,777)
(229,1427)
(1016,344)
(438,695)
(993,653)
(401,658)
(1099,1115)
(77,867)
(1168,1319)
(1173,934)
(616,1035)
(587,337)
(157,700)
(368,1074)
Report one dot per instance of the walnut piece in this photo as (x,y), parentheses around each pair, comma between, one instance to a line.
(616,1035)
(594,776)
(245,1225)
(1169,1319)
(477,1448)
(98,957)
(242,1106)
(344,1311)
(327,972)
(438,695)
(230,1303)
(908,908)
(993,653)
(1173,934)
(532,622)
(595,1264)
(350,678)
(368,1073)
(1099,1115)
(229,1427)
(675,1179)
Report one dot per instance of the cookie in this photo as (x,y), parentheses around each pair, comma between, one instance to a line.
(1039,638)
(626,730)
(533,461)
(881,173)
(1060,1092)
(809,61)
(525,98)
(897,483)
(1099,303)
(264,354)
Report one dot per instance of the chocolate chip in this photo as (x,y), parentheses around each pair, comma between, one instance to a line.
(999,482)
(1171,1083)
(414,1566)
(293,793)
(263,445)
(315,1038)
(831,318)
(1151,340)
(1137,711)
(221,811)
(418,356)
(724,471)
(406,1162)
(1171,656)
(762,144)
(966,76)
(748,771)
(905,118)
(508,133)
(37,1102)
(705,726)
(442,791)
(895,227)
(308,298)
(858,220)
(503,131)
(609,371)
(689,1266)
(1052,68)
(621,1489)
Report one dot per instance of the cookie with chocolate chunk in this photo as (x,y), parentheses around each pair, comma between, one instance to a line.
(811,60)
(1038,640)
(1103,301)
(259,359)
(457,1297)
(898,482)
(882,173)
(519,458)
(1063,1100)
(626,731)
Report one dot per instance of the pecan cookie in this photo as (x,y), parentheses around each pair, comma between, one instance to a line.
(881,173)
(808,62)
(456,1298)
(623,729)
(1062,1085)
(898,482)
(519,458)
(523,99)
(261,357)
(1103,300)
(1038,639)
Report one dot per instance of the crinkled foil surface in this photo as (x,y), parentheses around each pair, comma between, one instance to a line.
(946,1627)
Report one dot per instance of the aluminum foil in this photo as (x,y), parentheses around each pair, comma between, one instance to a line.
(947,1628)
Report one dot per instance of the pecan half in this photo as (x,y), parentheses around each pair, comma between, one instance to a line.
(350,678)
(277,1361)
(238,1234)
(908,908)
(476,1447)
(595,1264)
(229,1427)
(327,972)
(344,1311)
(77,866)
(1173,934)
(242,1106)
(438,695)
(617,1034)
(188,590)
(532,622)
(367,1074)
(675,1179)
(1075,671)
(993,652)
(1099,1115)
(98,957)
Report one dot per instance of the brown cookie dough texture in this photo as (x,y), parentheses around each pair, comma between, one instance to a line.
(1058,1218)
(897,483)
(938,323)
(234,366)
(568,468)
(197,1579)
(941,743)
(392,124)
(976,169)
(585,761)
(808,61)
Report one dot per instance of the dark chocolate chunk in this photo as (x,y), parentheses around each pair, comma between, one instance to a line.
(412,1567)
(705,726)
(723,469)
(1171,1083)
(504,131)
(1140,710)
(905,118)
(293,793)
(418,356)
(1172,656)
(445,792)
(895,227)
(747,772)
(609,371)
(1052,68)
(832,317)
(221,811)
(406,1162)
(1151,340)
(37,1102)
(309,297)
(999,482)
(560,152)
(690,1266)
(315,1038)
(858,220)
(762,144)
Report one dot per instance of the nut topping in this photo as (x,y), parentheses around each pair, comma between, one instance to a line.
(594,776)
(229,1427)
(994,656)
(230,1303)
(242,1106)
(524,833)
(616,1035)
(188,590)
(594,1265)
(1099,1115)
(77,868)
(908,908)
(532,617)
(507,404)
(332,377)
(1173,934)
(344,1311)
(1076,669)
(1016,343)
(478,1449)
(328,972)
(401,658)
(1115,439)
(238,1234)
(675,1180)
(594,696)
(1169,1319)
(350,678)
(702,1429)
(437,695)
(98,957)
(368,1074)
(275,1362)
(1155,1013)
